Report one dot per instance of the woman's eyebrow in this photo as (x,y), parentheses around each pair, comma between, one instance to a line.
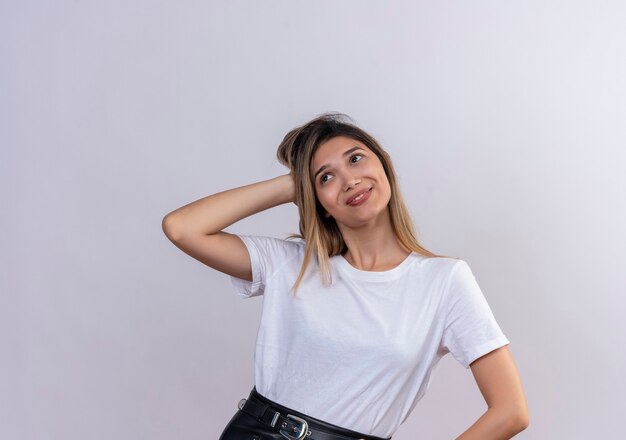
(326,165)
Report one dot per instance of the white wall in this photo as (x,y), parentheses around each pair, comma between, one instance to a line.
(506,124)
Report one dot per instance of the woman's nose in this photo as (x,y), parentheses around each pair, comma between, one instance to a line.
(351,182)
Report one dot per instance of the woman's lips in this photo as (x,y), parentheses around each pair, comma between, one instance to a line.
(364,197)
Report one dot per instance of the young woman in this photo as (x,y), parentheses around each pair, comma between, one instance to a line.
(356,313)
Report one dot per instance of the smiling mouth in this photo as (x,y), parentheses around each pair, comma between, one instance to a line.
(360,196)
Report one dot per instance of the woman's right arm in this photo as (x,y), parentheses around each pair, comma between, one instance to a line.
(196,228)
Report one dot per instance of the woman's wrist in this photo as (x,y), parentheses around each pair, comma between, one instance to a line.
(288,187)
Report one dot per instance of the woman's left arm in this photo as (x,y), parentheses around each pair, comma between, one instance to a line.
(499,382)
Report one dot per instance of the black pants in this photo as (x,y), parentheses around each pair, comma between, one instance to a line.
(244,426)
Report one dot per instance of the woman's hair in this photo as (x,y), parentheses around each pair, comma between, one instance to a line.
(321,234)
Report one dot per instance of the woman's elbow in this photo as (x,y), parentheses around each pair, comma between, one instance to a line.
(521,421)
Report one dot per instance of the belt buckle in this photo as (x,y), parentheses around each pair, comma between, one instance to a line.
(303,428)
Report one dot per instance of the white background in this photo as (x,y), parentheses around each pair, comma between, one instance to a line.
(506,124)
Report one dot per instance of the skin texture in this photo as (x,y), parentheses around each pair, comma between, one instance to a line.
(499,382)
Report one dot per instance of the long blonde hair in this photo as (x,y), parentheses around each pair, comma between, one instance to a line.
(321,235)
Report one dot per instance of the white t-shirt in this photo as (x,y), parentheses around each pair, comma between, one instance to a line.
(360,353)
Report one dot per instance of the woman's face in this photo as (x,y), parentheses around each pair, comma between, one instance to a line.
(351,167)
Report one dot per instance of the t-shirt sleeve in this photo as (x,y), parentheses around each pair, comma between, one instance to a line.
(471,329)
(267,255)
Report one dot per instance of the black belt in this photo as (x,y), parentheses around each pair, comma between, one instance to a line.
(294,425)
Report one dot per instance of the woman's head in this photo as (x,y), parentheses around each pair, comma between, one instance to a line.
(321,195)
(342,168)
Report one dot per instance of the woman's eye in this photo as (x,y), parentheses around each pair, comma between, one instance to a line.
(322,181)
